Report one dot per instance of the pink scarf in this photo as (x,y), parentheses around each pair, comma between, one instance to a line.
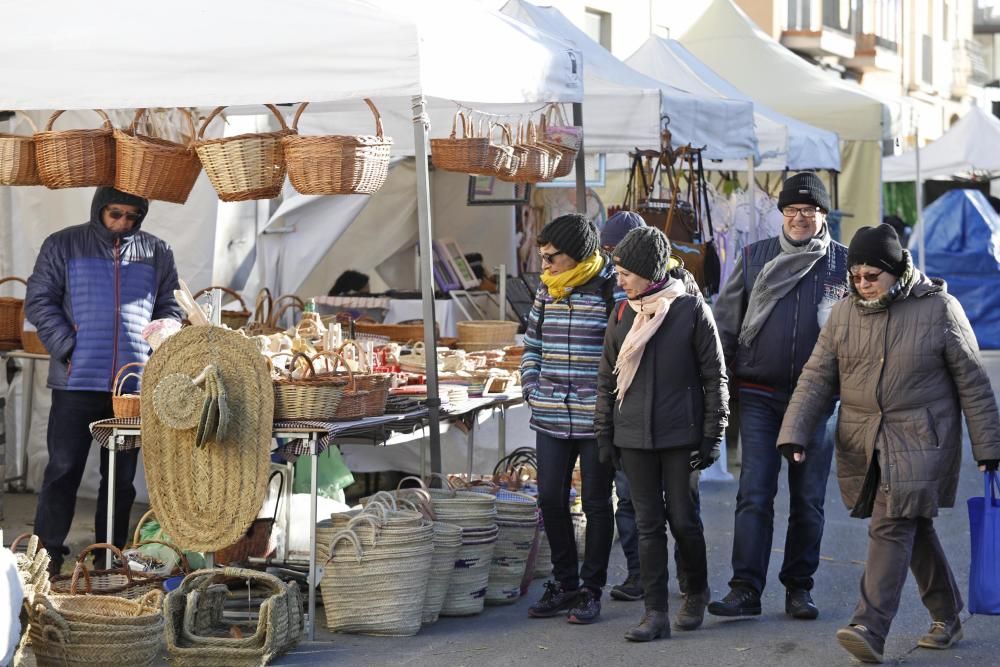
(650,311)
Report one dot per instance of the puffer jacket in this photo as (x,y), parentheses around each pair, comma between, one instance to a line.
(906,372)
(679,394)
(562,350)
(91,294)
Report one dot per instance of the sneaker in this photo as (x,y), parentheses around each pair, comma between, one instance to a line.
(862,643)
(799,604)
(587,608)
(942,634)
(739,602)
(555,600)
(692,612)
(629,590)
(654,624)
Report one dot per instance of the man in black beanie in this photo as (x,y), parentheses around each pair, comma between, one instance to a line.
(769,314)
(94,288)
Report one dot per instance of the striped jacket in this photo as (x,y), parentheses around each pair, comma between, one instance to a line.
(562,351)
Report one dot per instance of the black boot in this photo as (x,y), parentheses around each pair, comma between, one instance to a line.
(654,624)
(799,604)
(555,601)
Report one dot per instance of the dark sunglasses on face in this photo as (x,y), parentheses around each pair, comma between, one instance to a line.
(548,257)
(116,214)
(867,277)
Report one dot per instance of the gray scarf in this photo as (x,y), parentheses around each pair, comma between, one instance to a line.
(777,279)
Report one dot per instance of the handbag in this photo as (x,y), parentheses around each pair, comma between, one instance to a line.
(984,527)
(256,543)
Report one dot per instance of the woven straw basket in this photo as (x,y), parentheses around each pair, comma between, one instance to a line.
(122,582)
(337,164)
(76,158)
(18,165)
(155,168)
(468,153)
(311,397)
(474,335)
(247,166)
(125,405)
(11,318)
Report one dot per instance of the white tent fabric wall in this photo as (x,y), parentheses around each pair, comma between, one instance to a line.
(969,145)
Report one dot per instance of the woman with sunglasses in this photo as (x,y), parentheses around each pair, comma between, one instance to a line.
(662,410)
(905,360)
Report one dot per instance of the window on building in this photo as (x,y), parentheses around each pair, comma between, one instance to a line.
(880,18)
(927,69)
(598,26)
(800,15)
(839,15)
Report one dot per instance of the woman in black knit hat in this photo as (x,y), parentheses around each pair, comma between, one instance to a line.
(662,410)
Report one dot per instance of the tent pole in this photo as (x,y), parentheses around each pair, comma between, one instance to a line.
(420,125)
(581,164)
(920,206)
(752,189)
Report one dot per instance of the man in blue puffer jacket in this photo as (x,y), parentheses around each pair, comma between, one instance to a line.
(94,288)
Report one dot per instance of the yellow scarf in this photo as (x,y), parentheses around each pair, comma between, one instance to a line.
(560,286)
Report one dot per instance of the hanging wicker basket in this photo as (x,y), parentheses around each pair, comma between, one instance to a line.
(469,154)
(247,166)
(125,405)
(337,164)
(234,319)
(18,165)
(76,158)
(155,168)
(11,317)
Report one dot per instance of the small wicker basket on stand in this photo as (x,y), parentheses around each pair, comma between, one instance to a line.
(76,158)
(125,405)
(155,168)
(18,165)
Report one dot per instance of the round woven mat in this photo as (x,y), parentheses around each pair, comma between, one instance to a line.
(206,497)
(178,401)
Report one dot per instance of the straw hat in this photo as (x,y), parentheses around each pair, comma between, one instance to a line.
(206,497)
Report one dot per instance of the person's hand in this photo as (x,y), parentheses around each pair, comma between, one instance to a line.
(707,454)
(794,453)
(608,454)
(989,465)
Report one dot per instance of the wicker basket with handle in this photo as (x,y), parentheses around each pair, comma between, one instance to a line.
(18,165)
(122,582)
(567,153)
(76,158)
(485,334)
(538,161)
(354,404)
(376,384)
(337,164)
(234,319)
(247,166)
(312,397)
(125,405)
(155,168)
(11,317)
(469,154)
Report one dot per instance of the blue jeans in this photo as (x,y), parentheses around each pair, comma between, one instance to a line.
(760,421)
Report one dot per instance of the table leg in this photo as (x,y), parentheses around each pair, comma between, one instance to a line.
(502,433)
(471,440)
(28,391)
(109,536)
(287,492)
(311,628)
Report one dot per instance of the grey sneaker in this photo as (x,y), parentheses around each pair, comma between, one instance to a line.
(862,643)
(629,590)
(942,634)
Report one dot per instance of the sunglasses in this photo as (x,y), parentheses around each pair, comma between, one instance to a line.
(116,214)
(867,277)
(547,257)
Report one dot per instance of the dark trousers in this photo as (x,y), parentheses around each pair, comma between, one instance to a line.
(895,546)
(69,442)
(760,421)
(628,532)
(556,460)
(661,482)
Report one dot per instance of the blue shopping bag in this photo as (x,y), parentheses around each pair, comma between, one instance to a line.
(984,524)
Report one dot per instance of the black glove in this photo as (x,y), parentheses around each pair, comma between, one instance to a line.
(789,450)
(991,465)
(607,453)
(707,454)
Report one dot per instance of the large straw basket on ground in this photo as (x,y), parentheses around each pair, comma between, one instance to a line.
(155,168)
(337,164)
(18,165)
(11,317)
(447,542)
(474,335)
(206,497)
(76,158)
(247,166)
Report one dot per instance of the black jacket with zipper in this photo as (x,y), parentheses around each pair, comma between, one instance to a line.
(680,392)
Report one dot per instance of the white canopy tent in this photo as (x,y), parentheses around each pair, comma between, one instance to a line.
(201,55)
(785,143)
(968,145)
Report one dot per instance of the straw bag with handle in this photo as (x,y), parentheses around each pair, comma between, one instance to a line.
(550,139)
(125,405)
(155,168)
(18,165)
(11,317)
(337,164)
(247,166)
(76,158)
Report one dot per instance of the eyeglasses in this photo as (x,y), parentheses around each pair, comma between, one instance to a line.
(548,257)
(792,211)
(869,278)
(116,214)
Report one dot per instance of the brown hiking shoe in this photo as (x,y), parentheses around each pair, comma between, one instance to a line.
(654,624)
(692,612)
(862,643)
(942,634)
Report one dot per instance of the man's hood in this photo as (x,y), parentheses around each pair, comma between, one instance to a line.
(105,196)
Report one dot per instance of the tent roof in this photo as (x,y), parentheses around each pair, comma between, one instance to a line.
(729,42)
(723,125)
(968,145)
(73,56)
(784,141)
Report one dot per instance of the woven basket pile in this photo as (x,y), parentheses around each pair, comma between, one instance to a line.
(198,633)
(121,582)
(32,565)
(517,519)
(96,631)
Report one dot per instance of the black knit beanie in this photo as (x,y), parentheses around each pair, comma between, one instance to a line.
(573,234)
(644,251)
(804,188)
(877,247)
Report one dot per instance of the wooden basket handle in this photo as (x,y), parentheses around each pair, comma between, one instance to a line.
(34,128)
(119,380)
(279,308)
(10,278)
(100,112)
(143,519)
(263,306)
(230,292)
(371,105)
(350,373)
(218,110)
(363,361)
(17,540)
(133,128)
(127,571)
